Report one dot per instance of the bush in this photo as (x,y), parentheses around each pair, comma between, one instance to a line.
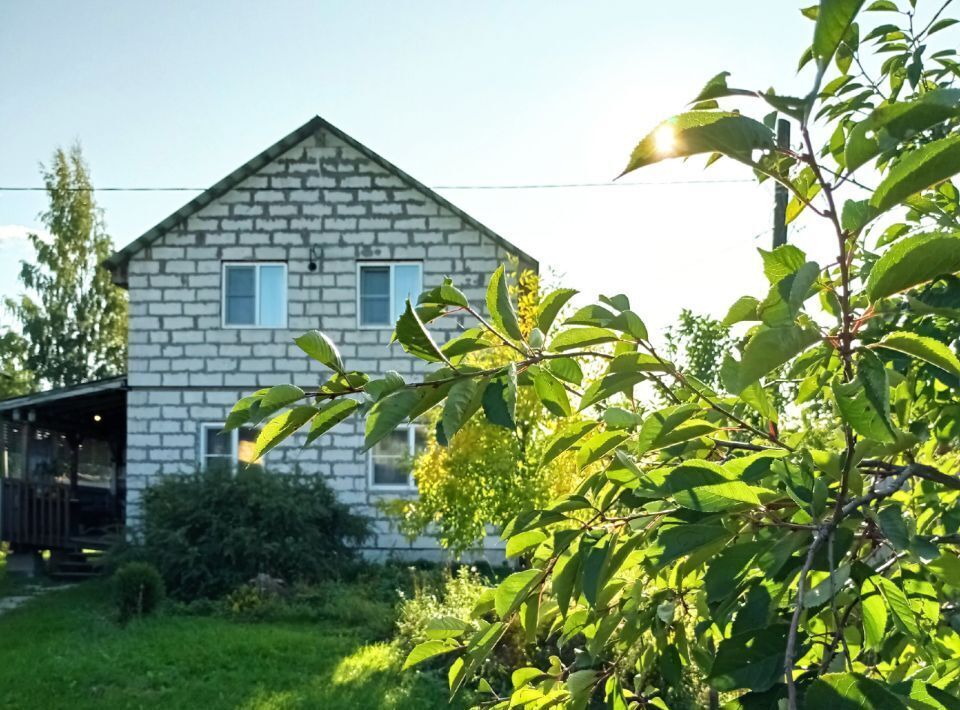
(455,593)
(138,589)
(211,532)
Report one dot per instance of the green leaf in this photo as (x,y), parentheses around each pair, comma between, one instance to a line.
(864,403)
(726,570)
(916,171)
(550,391)
(567,369)
(894,526)
(745,309)
(653,436)
(882,6)
(550,307)
(500,399)
(767,350)
(573,338)
(245,410)
(679,540)
(414,337)
(427,650)
(833,20)
(850,691)
(923,348)
(386,414)
(717,497)
(280,427)
(926,696)
(390,382)
(318,346)
(565,438)
(887,126)
(514,590)
(524,542)
(280,396)
(873,609)
(580,686)
(461,404)
(620,418)
(565,575)
(827,588)
(329,415)
(913,261)
(500,306)
(446,294)
(779,263)
(469,341)
(716,88)
(630,323)
(756,396)
(898,604)
(751,660)
(599,446)
(856,215)
(445,627)
(694,132)
(786,297)
(594,314)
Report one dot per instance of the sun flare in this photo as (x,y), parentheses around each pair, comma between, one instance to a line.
(665,140)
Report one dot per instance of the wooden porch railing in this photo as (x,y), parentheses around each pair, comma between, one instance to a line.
(36,514)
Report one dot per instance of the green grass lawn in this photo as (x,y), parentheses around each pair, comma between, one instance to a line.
(64,649)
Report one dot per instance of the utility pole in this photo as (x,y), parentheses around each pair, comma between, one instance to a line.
(780,192)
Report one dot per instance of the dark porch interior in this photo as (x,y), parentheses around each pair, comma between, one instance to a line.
(62,467)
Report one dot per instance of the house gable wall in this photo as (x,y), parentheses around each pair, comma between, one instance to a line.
(324,200)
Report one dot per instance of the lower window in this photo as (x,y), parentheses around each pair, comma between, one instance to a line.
(226,449)
(390,461)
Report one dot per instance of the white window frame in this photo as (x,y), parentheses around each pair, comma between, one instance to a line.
(234,445)
(411,484)
(360,265)
(256,293)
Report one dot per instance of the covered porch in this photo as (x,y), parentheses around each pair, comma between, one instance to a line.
(62,467)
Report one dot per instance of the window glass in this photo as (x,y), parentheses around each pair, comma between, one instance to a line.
(375,295)
(273,294)
(384,290)
(220,449)
(406,284)
(241,295)
(391,459)
(246,444)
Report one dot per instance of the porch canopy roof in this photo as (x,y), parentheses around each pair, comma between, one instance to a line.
(96,409)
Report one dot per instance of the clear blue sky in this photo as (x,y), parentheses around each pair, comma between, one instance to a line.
(181,93)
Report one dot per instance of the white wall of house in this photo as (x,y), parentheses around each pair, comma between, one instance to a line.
(321,200)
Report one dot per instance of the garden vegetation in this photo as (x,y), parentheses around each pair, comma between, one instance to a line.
(714,533)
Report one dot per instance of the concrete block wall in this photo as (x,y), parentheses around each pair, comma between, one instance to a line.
(320,199)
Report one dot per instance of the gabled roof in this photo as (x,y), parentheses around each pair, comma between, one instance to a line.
(120,258)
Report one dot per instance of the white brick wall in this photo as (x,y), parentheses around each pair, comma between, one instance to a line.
(184,368)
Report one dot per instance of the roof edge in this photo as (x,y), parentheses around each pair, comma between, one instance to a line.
(52,395)
(117,261)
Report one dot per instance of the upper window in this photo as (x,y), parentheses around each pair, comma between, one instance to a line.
(384,290)
(390,461)
(226,449)
(255,295)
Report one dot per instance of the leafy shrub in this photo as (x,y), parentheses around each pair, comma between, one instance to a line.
(454,594)
(138,589)
(210,532)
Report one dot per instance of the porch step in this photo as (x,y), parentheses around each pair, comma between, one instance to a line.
(76,565)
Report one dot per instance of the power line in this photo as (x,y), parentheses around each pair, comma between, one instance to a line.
(536,186)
